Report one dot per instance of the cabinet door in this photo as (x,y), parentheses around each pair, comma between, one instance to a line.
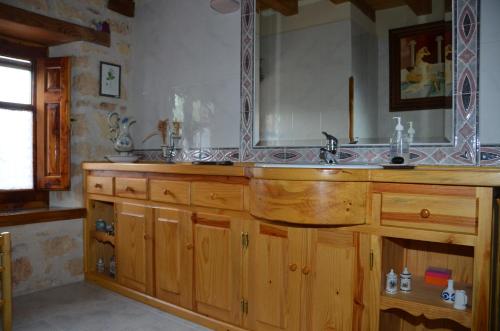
(334,281)
(218,267)
(134,247)
(174,256)
(277,256)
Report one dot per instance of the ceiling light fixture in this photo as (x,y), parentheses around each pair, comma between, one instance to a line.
(225,6)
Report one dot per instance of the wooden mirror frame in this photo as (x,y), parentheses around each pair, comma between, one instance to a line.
(465,147)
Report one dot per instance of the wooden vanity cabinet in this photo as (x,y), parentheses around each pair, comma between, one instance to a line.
(268,251)
(306,278)
(277,256)
(134,246)
(218,266)
(174,255)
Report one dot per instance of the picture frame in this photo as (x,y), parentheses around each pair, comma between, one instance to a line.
(109,80)
(421,67)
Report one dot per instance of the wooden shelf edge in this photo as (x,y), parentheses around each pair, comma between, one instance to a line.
(29,26)
(103,237)
(31,216)
(428,311)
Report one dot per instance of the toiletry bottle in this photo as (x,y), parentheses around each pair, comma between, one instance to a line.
(112,266)
(391,283)
(405,280)
(100,265)
(411,132)
(400,149)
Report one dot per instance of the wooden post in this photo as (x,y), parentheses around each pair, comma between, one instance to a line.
(6,282)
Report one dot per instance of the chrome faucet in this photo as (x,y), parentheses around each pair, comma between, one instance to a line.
(328,153)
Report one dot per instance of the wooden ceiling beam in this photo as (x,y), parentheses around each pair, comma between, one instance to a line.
(361,5)
(420,7)
(285,7)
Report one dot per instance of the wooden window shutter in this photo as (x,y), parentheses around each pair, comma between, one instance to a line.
(53,123)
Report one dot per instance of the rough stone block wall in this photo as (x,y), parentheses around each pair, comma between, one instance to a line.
(51,254)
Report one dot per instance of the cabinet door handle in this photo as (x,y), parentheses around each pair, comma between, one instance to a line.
(306,270)
(129,189)
(148,237)
(292,267)
(189,246)
(425,213)
(97,185)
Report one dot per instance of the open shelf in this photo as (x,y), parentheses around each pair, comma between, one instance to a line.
(104,276)
(422,308)
(425,300)
(103,237)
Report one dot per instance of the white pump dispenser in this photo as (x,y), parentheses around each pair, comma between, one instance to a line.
(400,147)
(411,132)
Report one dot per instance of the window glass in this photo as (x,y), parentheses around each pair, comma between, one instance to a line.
(16,149)
(15,84)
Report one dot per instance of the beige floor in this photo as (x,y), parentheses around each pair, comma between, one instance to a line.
(83,306)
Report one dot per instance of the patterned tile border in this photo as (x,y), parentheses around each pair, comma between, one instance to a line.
(465,149)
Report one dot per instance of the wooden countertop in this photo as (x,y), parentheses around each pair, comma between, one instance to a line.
(448,175)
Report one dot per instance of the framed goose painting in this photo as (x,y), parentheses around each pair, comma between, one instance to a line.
(421,67)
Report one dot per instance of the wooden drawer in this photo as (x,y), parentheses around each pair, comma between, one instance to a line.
(170,191)
(100,185)
(309,202)
(429,207)
(217,195)
(131,187)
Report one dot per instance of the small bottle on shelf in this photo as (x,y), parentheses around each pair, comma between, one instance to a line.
(448,294)
(100,265)
(112,266)
(405,280)
(391,284)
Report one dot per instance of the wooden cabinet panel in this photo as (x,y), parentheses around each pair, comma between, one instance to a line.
(276,262)
(430,207)
(335,299)
(170,191)
(135,188)
(174,256)
(217,195)
(52,123)
(100,185)
(309,202)
(217,254)
(134,246)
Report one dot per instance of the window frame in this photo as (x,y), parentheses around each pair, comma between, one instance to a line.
(24,198)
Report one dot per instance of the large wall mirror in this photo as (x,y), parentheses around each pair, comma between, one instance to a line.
(322,66)
(348,68)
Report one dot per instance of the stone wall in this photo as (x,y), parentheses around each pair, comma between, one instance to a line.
(51,254)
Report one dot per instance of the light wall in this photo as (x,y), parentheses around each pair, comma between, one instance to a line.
(51,254)
(187,61)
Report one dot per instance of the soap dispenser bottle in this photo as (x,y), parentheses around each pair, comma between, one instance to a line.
(411,132)
(400,148)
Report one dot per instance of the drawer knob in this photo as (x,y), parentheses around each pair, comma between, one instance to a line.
(189,246)
(306,270)
(292,267)
(166,192)
(97,185)
(129,189)
(425,213)
(213,196)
